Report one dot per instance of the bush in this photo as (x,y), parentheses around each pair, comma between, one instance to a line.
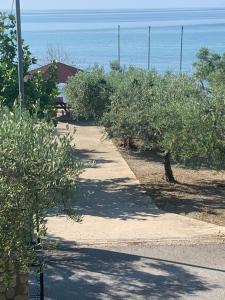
(88,93)
(129,105)
(171,113)
(180,115)
(38,171)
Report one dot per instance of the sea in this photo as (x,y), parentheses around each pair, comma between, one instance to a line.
(85,38)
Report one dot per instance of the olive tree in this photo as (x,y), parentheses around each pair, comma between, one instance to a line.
(126,117)
(173,118)
(88,93)
(207,64)
(39,171)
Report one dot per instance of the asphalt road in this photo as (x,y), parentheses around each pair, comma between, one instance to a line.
(137,272)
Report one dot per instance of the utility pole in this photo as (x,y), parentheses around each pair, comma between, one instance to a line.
(149,47)
(119,44)
(181,48)
(20,56)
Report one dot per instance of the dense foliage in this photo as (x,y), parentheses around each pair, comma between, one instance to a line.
(38,171)
(128,112)
(38,90)
(180,115)
(88,93)
(208,65)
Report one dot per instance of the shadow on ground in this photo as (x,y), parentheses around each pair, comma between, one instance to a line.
(67,119)
(101,274)
(199,194)
(203,197)
(111,198)
(114,198)
(87,157)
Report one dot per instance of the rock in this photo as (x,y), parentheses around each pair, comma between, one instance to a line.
(10,293)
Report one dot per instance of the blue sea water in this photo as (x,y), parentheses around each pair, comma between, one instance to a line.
(90,37)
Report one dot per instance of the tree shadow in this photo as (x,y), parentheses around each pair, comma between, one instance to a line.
(153,155)
(66,119)
(185,197)
(117,197)
(197,194)
(114,198)
(86,155)
(102,274)
(110,198)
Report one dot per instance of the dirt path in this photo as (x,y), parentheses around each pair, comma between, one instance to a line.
(114,205)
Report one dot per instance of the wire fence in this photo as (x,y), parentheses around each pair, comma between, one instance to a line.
(163,48)
(149,48)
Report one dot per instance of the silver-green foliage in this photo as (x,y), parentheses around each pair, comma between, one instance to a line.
(170,112)
(38,171)
(88,93)
(128,112)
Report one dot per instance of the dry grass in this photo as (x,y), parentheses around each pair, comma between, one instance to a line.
(199,194)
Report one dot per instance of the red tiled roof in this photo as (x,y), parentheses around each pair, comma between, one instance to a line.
(63,72)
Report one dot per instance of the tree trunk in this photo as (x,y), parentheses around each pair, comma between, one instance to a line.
(18,288)
(168,170)
(128,143)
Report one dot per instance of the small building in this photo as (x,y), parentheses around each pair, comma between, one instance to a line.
(63,72)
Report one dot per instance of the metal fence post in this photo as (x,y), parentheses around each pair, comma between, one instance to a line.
(181,48)
(119,58)
(149,47)
(41,286)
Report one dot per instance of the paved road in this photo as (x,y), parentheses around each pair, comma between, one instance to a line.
(117,211)
(113,203)
(138,272)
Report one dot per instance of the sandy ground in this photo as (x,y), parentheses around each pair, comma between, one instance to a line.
(199,194)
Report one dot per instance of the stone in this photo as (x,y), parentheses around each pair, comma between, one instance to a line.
(10,293)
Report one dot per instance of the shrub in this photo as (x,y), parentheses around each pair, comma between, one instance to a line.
(169,112)
(129,104)
(88,93)
(38,171)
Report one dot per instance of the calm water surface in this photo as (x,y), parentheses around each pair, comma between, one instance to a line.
(90,37)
